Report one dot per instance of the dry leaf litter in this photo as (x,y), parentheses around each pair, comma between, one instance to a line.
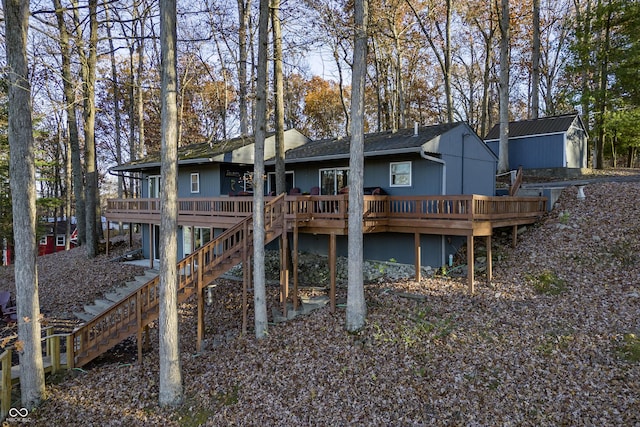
(548,342)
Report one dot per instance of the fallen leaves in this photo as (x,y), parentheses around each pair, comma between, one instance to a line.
(507,355)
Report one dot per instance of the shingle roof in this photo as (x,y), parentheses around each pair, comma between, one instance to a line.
(196,151)
(403,139)
(546,125)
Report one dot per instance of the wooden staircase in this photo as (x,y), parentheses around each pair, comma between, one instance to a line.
(132,315)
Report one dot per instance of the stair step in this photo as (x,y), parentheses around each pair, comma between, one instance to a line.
(115,296)
(93,309)
(104,303)
(83,316)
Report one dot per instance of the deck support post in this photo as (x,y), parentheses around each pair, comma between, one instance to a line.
(332,271)
(295,266)
(151,248)
(514,236)
(107,241)
(284,271)
(489,259)
(6,384)
(246,277)
(200,291)
(416,238)
(470,259)
(139,325)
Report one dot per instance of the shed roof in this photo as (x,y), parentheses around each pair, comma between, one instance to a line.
(388,142)
(541,126)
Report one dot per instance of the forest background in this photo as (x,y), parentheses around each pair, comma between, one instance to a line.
(95,78)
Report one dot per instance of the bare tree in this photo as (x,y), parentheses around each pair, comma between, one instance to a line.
(356,306)
(244,9)
(70,107)
(535,62)
(278,86)
(171,390)
(23,191)
(88,62)
(503,156)
(259,286)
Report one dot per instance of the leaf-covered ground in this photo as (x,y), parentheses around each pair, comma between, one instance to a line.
(551,341)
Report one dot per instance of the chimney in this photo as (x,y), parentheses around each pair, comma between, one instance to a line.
(415,129)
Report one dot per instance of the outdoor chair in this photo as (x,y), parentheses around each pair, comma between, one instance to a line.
(7,311)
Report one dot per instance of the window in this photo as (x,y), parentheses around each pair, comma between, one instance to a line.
(154,186)
(400,174)
(43,240)
(195,182)
(60,240)
(332,180)
(289,179)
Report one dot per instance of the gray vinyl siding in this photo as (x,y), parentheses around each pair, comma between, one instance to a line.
(380,247)
(209,181)
(542,151)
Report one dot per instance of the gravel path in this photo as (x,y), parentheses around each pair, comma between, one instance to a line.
(551,341)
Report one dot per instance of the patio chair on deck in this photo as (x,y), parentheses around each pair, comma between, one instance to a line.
(7,312)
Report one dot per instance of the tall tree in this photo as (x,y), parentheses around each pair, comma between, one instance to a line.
(244,10)
(535,62)
(23,178)
(72,124)
(503,156)
(356,305)
(171,390)
(278,92)
(259,286)
(89,62)
(116,101)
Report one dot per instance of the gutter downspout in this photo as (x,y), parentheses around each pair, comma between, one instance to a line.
(443,192)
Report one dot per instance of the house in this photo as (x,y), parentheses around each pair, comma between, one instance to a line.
(204,171)
(430,191)
(556,142)
(54,238)
(446,159)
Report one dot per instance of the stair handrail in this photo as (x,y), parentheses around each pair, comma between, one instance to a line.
(144,300)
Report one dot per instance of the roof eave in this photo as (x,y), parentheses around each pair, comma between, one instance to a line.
(342,156)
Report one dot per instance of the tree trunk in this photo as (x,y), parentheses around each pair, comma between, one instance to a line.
(535,62)
(70,107)
(171,390)
(447,64)
(88,63)
(259,286)
(244,8)
(23,190)
(356,305)
(503,157)
(116,103)
(278,90)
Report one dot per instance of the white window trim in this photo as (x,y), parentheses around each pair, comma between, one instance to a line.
(197,175)
(43,240)
(151,178)
(343,168)
(58,237)
(391,184)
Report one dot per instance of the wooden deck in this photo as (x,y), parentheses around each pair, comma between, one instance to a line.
(449,215)
(457,215)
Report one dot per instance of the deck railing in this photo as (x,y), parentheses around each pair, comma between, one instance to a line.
(307,208)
